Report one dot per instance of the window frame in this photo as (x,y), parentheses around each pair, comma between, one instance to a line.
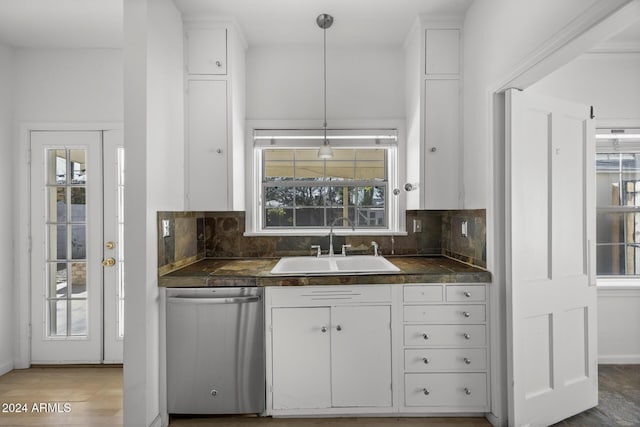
(611,146)
(394,203)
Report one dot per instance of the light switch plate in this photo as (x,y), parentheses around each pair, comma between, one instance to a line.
(463,229)
(166,231)
(417,226)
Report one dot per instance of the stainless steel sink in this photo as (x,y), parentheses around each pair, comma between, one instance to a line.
(333,265)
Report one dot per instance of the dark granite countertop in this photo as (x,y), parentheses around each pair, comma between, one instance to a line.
(256,272)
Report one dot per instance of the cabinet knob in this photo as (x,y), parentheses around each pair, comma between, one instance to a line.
(425,391)
(425,360)
(467,391)
(467,294)
(323,329)
(466,336)
(218,63)
(433,149)
(219,150)
(338,328)
(214,393)
(425,336)
(467,361)
(466,314)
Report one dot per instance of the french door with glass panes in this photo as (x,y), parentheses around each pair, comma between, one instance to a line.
(77,292)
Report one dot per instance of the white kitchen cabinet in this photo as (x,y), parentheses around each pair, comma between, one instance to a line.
(207,154)
(445,349)
(329,350)
(206,51)
(214,116)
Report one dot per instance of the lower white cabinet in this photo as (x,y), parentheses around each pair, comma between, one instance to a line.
(378,349)
(329,352)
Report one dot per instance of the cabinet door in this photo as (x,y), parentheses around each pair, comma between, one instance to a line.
(361,356)
(442,121)
(207,157)
(207,51)
(301,358)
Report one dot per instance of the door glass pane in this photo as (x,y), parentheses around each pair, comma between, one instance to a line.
(66,204)
(79,317)
(78,241)
(77,159)
(57,242)
(78,204)
(57,279)
(57,204)
(58,317)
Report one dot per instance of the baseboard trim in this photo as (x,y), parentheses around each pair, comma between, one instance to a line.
(6,367)
(616,359)
(157,422)
(495,421)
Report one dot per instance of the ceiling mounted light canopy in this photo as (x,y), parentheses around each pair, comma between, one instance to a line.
(325,21)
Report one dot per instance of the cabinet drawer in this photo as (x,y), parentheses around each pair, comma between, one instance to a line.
(444,335)
(462,390)
(445,313)
(459,293)
(423,293)
(327,295)
(445,359)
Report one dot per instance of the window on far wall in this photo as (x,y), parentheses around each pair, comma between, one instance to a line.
(299,191)
(618,203)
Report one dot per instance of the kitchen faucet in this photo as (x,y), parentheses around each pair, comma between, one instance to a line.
(344,218)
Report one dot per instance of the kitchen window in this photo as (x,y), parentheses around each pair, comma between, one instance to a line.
(618,203)
(297,192)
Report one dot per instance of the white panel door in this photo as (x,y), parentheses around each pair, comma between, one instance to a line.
(301,357)
(207,156)
(113,152)
(66,256)
(77,301)
(550,229)
(361,356)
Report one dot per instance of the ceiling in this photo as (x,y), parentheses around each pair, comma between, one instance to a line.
(98,23)
(374,22)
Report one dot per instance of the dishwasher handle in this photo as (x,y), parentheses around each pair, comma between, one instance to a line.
(226,300)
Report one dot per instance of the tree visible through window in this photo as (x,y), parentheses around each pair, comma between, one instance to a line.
(299,190)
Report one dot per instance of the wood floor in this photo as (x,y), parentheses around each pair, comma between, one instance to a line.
(93,397)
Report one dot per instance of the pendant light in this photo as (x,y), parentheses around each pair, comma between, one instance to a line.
(325,21)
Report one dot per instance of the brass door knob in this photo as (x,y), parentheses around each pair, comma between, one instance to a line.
(109,262)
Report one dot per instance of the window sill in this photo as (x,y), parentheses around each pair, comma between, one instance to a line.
(619,283)
(337,232)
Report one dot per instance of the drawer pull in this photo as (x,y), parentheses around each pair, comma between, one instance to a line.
(466,314)
(425,391)
(467,391)
(466,336)
(467,294)
(425,360)
(425,336)
(467,361)
(323,329)
(338,328)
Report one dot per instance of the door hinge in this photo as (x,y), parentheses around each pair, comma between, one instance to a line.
(591,113)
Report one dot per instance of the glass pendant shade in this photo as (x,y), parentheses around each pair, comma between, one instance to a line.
(325,151)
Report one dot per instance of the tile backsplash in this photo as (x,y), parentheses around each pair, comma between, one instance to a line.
(197,235)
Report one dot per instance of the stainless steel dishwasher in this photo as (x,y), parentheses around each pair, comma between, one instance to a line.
(215,350)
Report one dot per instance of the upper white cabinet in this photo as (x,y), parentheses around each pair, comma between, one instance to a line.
(442,51)
(215,114)
(206,51)
(437,78)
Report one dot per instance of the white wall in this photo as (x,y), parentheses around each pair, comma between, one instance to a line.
(154,141)
(286,83)
(7,334)
(412,93)
(611,83)
(608,81)
(69,85)
(56,86)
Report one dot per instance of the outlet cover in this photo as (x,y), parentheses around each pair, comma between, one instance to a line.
(166,231)
(417,226)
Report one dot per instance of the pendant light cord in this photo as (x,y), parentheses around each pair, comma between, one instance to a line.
(324,48)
